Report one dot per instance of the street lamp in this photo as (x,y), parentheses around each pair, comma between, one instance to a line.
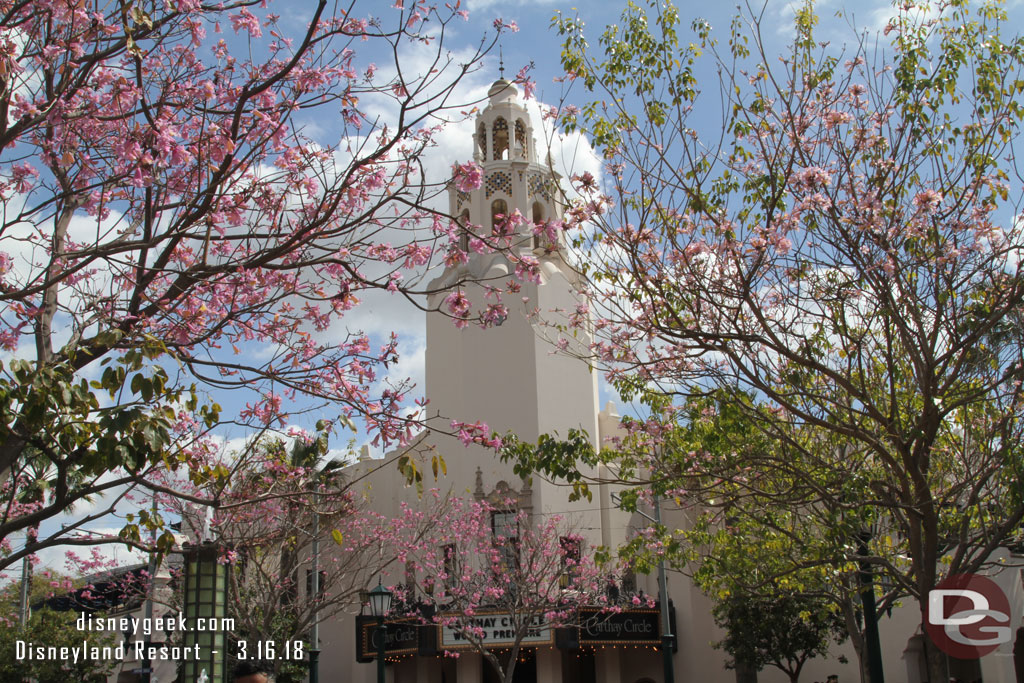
(380,603)
(867,600)
(315,589)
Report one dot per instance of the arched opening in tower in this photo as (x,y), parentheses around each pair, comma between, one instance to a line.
(464,231)
(499,216)
(520,138)
(500,139)
(538,218)
(481,140)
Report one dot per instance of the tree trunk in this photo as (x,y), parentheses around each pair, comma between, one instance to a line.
(495,663)
(745,673)
(856,639)
(510,668)
(938,669)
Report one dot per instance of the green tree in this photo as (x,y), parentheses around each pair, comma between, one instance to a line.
(49,628)
(288,497)
(839,254)
(759,515)
(780,629)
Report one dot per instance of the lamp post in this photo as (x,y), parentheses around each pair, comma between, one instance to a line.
(380,603)
(314,584)
(666,628)
(314,631)
(205,597)
(867,593)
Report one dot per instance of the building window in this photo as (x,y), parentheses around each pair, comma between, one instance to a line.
(481,140)
(505,535)
(321,585)
(570,546)
(521,138)
(451,566)
(500,139)
(538,218)
(410,574)
(499,216)
(464,231)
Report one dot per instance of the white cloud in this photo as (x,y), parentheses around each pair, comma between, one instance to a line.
(478,5)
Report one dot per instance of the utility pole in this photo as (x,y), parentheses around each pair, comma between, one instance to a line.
(26,579)
(314,632)
(667,638)
(147,664)
(666,625)
(872,643)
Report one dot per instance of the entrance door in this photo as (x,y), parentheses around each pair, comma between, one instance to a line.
(525,671)
(578,666)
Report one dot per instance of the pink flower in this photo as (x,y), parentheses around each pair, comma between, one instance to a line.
(836,118)
(458,304)
(468,176)
(813,177)
(585,181)
(245,20)
(528,86)
(928,200)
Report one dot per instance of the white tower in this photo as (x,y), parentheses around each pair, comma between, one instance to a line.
(508,376)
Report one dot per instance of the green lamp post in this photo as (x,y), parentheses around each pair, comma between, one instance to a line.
(380,604)
(205,597)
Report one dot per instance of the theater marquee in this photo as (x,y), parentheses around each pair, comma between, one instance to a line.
(631,627)
(496,629)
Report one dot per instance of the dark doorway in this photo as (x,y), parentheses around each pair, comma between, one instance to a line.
(526,667)
(578,666)
(966,670)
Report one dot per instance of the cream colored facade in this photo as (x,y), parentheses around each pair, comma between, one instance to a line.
(509,378)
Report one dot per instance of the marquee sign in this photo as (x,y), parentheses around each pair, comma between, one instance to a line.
(498,630)
(592,627)
(630,627)
(401,637)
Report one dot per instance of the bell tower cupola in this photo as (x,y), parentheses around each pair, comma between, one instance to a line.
(514,179)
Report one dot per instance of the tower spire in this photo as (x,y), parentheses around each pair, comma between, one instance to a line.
(501,62)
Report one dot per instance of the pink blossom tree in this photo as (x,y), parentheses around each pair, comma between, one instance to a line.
(170,231)
(287,500)
(491,559)
(839,256)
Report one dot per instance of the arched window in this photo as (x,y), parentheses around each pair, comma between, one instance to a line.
(538,218)
(464,230)
(521,138)
(481,140)
(500,138)
(499,215)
